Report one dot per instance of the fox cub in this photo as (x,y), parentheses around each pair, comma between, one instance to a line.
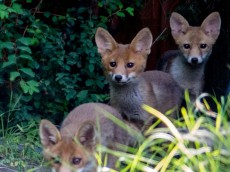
(130,86)
(73,147)
(195,46)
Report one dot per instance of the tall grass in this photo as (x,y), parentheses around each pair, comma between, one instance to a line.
(19,144)
(198,141)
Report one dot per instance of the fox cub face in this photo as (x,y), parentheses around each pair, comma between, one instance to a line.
(123,63)
(67,154)
(195,43)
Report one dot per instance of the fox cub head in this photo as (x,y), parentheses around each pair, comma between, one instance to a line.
(66,153)
(123,63)
(195,43)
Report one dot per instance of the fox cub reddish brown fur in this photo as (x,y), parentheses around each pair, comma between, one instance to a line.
(195,46)
(130,86)
(73,147)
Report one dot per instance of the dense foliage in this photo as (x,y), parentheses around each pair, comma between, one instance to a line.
(48,61)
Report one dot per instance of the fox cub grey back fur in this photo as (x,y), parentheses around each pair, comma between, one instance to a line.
(130,86)
(195,46)
(73,147)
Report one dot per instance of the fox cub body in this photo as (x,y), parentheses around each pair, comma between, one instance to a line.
(195,46)
(130,86)
(73,147)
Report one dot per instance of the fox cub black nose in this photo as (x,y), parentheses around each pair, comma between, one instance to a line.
(194,60)
(118,78)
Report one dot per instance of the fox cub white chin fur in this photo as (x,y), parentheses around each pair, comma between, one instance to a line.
(195,46)
(130,86)
(73,147)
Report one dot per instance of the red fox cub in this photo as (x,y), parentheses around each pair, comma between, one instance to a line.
(73,147)
(195,46)
(130,86)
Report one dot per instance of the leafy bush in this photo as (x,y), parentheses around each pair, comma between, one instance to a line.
(49,62)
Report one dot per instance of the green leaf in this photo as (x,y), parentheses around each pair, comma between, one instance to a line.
(82,94)
(47,14)
(7,45)
(33,87)
(103,19)
(91,67)
(25,56)
(17,8)
(60,76)
(100,4)
(89,82)
(11,61)
(54,19)
(120,14)
(24,48)
(4,14)
(34,41)
(130,10)
(14,75)
(91,24)
(29,86)
(33,83)
(81,9)
(27,71)
(24,86)
(120,5)
(3,7)
(25,40)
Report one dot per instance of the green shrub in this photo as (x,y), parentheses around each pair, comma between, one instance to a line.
(48,62)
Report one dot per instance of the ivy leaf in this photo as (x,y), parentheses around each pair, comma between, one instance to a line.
(17,8)
(89,82)
(54,19)
(47,14)
(91,67)
(24,86)
(120,14)
(29,86)
(25,41)
(81,9)
(7,45)
(11,61)
(82,95)
(24,48)
(25,56)
(27,71)
(130,11)
(33,86)
(14,75)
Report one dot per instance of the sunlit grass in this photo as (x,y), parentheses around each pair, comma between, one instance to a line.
(198,141)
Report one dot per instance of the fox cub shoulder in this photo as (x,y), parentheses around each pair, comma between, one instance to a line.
(73,147)
(130,86)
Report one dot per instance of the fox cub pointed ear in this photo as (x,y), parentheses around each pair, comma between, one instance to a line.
(178,25)
(87,135)
(49,134)
(211,25)
(142,42)
(105,42)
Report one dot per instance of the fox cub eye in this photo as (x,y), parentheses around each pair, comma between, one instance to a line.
(203,46)
(113,64)
(130,65)
(76,161)
(186,46)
